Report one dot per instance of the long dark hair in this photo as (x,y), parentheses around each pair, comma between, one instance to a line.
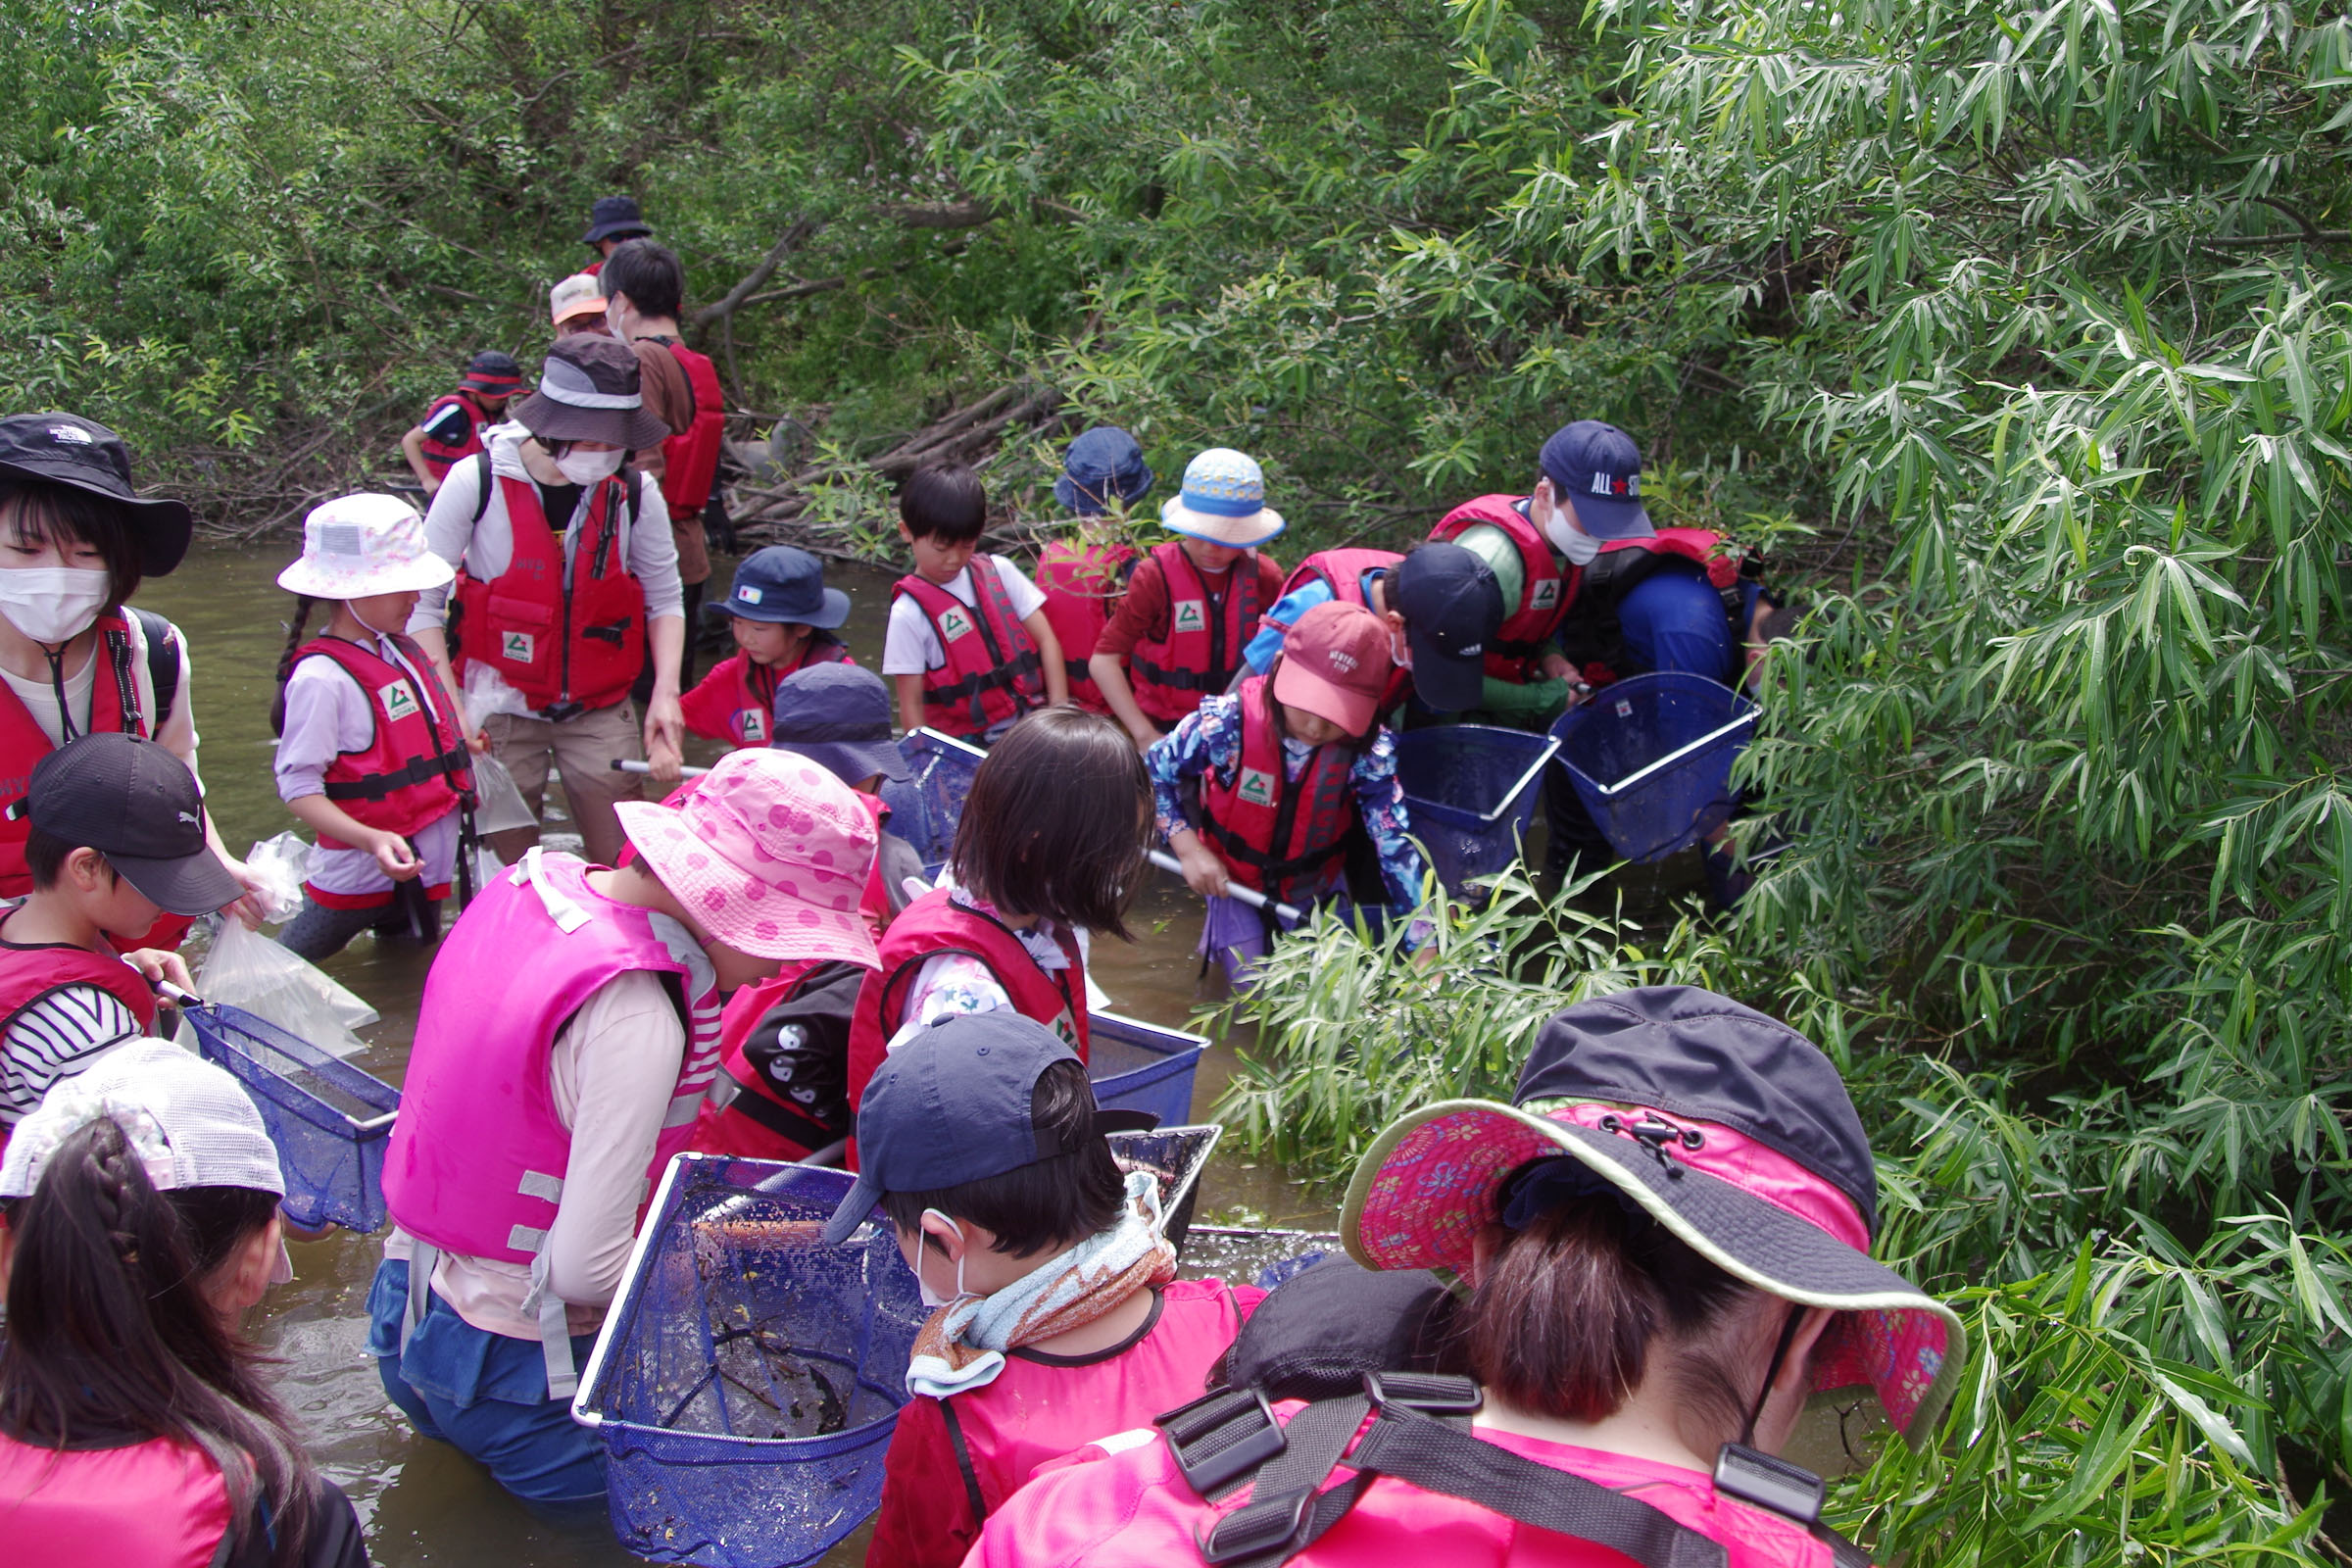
(1564,1317)
(1056,823)
(295,638)
(39,511)
(110,1330)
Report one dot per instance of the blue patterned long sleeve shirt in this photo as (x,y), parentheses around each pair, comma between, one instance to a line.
(1210,737)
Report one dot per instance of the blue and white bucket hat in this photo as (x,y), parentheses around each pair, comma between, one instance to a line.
(1223,502)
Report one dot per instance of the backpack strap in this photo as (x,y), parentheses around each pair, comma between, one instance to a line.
(964,1461)
(162,662)
(482,494)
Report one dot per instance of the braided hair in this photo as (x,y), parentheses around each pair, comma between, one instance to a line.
(295,638)
(111,1331)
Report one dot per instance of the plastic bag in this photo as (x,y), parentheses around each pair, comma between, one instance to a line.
(486,693)
(281,864)
(246,969)
(498,799)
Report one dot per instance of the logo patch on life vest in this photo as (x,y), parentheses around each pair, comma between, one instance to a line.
(754,725)
(1548,594)
(515,645)
(399,702)
(952,625)
(1257,787)
(1191,615)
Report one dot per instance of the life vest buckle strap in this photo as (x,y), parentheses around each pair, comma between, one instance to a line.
(1431,1392)
(539,1184)
(616,633)
(1772,1484)
(1263,1525)
(1220,1436)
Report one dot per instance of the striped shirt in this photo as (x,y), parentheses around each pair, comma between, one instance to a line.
(53,1038)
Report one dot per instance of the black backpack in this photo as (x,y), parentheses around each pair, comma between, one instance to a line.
(1354,1342)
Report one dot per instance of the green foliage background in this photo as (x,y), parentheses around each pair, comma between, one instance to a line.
(2021,330)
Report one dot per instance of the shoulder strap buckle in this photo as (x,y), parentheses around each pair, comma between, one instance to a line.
(1430,1393)
(1772,1484)
(1265,1525)
(1220,1436)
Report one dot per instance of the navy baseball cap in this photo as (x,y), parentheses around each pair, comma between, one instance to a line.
(1102,464)
(786,585)
(951,1105)
(838,716)
(1453,608)
(1598,468)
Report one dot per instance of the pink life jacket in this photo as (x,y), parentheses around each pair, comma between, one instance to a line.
(1344,571)
(1125,1503)
(154,1504)
(1038,1409)
(1282,837)
(477,1158)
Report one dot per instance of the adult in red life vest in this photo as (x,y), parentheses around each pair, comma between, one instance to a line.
(369,755)
(1295,790)
(1441,603)
(451,430)
(1194,602)
(644,291)
(1048,849)
(784,1044)
(613,221)
(784,619)
(537,1114)
(1103,475)
(136,1425)
(1667,1239)
(1060,1318)
(75,539)
(968,646)
(568,573)
(113,839)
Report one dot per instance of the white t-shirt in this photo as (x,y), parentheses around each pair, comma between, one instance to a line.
(911,647)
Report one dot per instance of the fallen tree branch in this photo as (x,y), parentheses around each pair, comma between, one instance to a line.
(795,236)
(941,215)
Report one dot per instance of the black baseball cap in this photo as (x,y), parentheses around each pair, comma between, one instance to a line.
(1598,468)
(1453,608)
(70,450)
(948,1107)
(838,716)
(614,217)
(136,802)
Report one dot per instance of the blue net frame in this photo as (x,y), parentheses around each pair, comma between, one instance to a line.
(329,1122)
(1607,744)
(1470,791)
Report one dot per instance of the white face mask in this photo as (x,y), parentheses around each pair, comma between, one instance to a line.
(1579,547)
(586,467)
(922,1286)
(54,604)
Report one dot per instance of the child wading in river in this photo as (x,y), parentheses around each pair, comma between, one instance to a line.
(970,646)
(1296,778)
(367,754)
(1050,847)
(1059,1320)
(784,619)
(1084,577)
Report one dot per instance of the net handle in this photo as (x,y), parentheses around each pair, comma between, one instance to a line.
(1745,721)
(1512,794)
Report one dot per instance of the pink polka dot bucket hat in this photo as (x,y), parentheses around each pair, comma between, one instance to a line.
(771,856)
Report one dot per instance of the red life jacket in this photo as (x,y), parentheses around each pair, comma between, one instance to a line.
(1545,591)
(115,708)
(29,972)
(991,669)
(414,768)
(1344,571)
(442,456)
(1205,635)
(690,457)
(755,686)
(937,924)
(555,643)
(1081,583)
(1596,638)
(1279,838)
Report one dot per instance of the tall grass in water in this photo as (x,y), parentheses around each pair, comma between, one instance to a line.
(2160,1358)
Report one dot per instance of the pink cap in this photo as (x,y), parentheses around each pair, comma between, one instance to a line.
(1334,666)
(771,856)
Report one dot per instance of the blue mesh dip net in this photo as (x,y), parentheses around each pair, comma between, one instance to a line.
(1470,791)
(1651,756)
(328,1120)
(925,807)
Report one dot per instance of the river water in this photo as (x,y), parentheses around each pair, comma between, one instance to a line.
(421,1501)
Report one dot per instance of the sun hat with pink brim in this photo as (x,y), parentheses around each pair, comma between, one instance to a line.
(355,547)
(770,855)
(1728,1128)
